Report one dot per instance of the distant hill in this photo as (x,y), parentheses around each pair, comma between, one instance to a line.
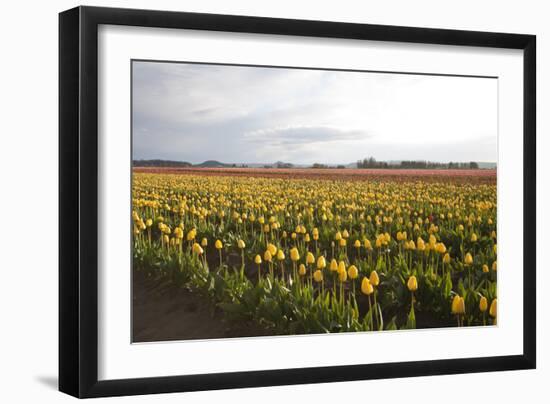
(160,163)
(212,164)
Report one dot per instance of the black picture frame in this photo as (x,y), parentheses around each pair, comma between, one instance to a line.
(78,200)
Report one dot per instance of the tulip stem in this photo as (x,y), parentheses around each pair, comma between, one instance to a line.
(376,311)
(370,315)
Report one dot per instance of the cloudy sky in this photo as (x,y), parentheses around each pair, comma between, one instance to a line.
(236,114)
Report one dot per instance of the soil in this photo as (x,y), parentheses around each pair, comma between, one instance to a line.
(164,312)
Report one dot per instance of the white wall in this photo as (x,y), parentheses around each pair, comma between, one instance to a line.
(28,197)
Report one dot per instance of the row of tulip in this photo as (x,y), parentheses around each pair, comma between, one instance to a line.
(356,258)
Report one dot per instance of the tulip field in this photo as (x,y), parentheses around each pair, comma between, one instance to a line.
(302,254)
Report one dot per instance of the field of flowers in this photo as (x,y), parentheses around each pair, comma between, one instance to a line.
(301,255)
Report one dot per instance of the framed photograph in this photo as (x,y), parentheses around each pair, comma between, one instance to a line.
(251,201)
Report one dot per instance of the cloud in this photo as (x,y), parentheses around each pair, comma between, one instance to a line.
(196,112)
(303,135)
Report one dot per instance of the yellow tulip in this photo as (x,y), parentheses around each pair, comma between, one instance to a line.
(357,244)
(333,265)
(272,249)
(204,242)
(267,256)
(321,262)
(280,255)
(457,305)
(468,260)
(342,275)
(366,286)
(412,284)
(218,244)
(341,266)
(374,279)
(310,258)
(473,238)
(197,249)
(483,304)
(241,244)
(302,270)
(353,272)
(493,308)
(294,254)
(485,268)
(318,276)
(446,258)
(257,259)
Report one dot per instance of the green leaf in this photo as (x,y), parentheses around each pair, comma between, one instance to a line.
(392,325)
(411,320)
(380,318)
(448,285)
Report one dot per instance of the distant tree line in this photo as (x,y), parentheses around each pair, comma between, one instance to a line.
(280,164)
(371,162)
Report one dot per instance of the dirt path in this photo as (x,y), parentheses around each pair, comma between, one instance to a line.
(163,312)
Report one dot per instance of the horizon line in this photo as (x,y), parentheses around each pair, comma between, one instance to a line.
(316,162)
